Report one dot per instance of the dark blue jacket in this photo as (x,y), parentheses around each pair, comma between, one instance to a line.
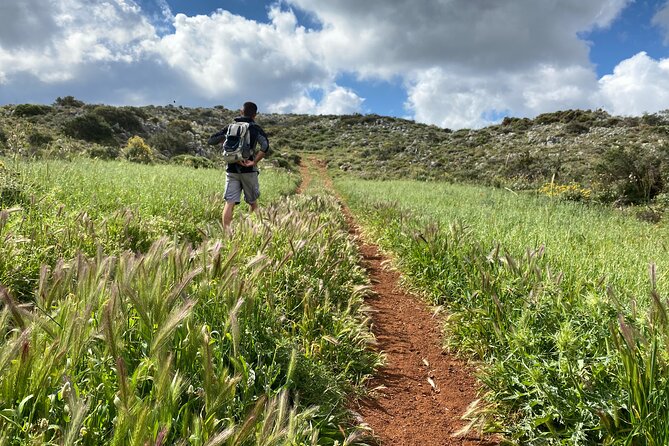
(258,136)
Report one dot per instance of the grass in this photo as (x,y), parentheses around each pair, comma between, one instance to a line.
(592,242)
(57,209)
(252,338)
(556,299)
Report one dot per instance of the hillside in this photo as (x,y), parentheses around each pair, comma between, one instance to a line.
(623,159)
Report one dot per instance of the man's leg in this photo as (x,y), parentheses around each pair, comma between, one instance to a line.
(251,189)
(227,213)
(233,192)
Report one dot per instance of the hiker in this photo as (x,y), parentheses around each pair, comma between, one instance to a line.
(239,151)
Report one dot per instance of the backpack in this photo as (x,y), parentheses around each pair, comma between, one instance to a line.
(237,144)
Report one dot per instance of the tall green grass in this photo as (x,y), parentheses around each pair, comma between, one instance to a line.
(255,338)
(55,209)
(591,242)
(556,298)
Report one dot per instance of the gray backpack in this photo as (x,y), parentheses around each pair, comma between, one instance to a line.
(237,145)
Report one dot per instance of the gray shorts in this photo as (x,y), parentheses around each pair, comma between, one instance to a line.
(236,182)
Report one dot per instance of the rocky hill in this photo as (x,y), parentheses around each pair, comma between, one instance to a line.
(623,159)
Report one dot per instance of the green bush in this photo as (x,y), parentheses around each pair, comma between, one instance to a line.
(103,152)
(69,101)
(180,125)
(634,174)
(123,117)
(90,128)
(516,124)
(26,110)
(39,140)
(138,151)
(3,138)
(196,162)
(288,161)
(170,142)
(576,128)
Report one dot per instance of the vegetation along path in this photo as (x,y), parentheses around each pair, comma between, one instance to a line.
(422,392)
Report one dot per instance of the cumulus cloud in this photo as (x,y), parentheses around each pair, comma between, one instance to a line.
(466,62)
(463,63)
(467,99)
(638,85)
(340,101)
(382,38)
(232,58)
(336,101)
(67,34)
(25,24)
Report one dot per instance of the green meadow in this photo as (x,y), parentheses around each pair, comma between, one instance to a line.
(562,302)
(130,317)
(591,242)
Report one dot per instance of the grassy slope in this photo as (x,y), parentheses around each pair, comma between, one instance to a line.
(60,208)
(584,241)
(519,153)
(568,361)
(212,339)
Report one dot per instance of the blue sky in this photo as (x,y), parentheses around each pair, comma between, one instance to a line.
(452,63)
(628,35)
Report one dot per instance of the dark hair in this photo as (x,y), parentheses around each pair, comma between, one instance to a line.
(249,109)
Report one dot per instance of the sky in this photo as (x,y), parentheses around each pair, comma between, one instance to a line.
(451,63)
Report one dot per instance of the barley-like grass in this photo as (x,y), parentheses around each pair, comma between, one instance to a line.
(589,241)
(251,338)
(560,300)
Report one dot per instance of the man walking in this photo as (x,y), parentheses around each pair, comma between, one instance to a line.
(242,175)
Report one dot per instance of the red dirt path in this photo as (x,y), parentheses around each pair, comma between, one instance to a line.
(409,409)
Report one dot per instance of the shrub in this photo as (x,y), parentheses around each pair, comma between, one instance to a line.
(3,138)
(170,143)
(196,162)
(25,110)
(571,191)
(103,152)
(634,174)
(654,119)
(288,161)
(138,151)
(576,128)
(517,124)
(89,127)
(39,140)
(180,125)
(125,118)
(69,101)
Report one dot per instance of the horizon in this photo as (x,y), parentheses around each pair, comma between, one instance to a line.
(454,64)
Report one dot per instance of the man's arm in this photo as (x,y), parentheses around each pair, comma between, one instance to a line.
(263,142)
(217,137)
(260,155)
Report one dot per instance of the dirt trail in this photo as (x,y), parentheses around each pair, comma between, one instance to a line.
(423,391)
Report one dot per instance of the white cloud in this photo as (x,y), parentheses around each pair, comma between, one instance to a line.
(639,84)
(340,101)
(67,34)
(336,100)
(463,63)
(466,99)
(231,58)
(384,38)
(661,19)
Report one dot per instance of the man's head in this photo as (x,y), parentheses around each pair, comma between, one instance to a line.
(249,109)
